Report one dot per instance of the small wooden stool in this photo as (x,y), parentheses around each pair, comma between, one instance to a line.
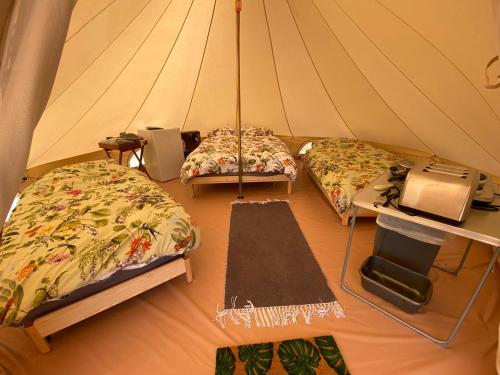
(113,144)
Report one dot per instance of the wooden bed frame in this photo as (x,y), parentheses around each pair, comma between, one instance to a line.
(343,216)
(234,179)
(66,316)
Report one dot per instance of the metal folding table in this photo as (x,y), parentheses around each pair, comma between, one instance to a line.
(482,226)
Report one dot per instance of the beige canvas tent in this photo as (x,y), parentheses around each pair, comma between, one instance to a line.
(407,75)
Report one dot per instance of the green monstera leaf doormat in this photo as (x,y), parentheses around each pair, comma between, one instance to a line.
(317,355)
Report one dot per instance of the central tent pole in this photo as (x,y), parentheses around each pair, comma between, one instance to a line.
(238,6)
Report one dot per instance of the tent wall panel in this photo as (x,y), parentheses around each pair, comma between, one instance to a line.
(308,108)
(430,124)
(435,76)
(214,100)
(86,45)
(463,31)
(360,104)
(84,12)
(117,105)
(66,112)
(168,102)
(260,91)
(403,73)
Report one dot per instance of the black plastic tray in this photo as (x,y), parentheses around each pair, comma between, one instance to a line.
(400,286)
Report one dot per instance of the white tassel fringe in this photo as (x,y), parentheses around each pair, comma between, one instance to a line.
(274,316)
(260,202)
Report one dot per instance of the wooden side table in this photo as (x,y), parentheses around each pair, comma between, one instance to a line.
(113,144)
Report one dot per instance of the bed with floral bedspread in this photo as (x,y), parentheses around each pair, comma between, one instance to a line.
(80,224)
(344,166)
(262,153)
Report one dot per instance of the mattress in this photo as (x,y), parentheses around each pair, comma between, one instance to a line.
(344,166)
(81,224)
(218,155)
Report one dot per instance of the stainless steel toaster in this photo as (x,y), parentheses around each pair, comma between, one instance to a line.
(440,190)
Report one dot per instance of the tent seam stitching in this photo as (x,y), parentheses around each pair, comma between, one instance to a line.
(90,20)
(276,70)
(317,72)
(415,85)
(200,67)
(368,81)
(98,56)
(442,54)
(105,90)
(162,67)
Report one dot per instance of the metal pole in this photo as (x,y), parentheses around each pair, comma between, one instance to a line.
(348,247)
(238,6)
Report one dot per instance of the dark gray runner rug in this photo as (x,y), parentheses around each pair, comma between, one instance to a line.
(272,277)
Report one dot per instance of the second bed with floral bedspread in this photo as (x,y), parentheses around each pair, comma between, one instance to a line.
(344,166)
(80,224)
(218,155)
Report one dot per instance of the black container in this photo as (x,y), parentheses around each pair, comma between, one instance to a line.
(413,254)
(400,286)
(191,140)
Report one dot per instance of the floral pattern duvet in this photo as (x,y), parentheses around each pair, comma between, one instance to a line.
(344,166)
(219,155)
(80,224)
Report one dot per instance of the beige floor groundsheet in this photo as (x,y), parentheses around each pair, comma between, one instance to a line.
(172,330)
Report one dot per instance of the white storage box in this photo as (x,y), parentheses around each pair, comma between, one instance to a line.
(164,154)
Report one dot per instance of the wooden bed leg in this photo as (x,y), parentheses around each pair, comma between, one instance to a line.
(193,190)
(345,218)
(289,187)
(189,270)
(40,342)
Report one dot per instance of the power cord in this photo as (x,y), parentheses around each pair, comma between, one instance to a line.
(392,193)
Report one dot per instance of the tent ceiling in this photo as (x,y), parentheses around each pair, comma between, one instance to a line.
(404,73)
